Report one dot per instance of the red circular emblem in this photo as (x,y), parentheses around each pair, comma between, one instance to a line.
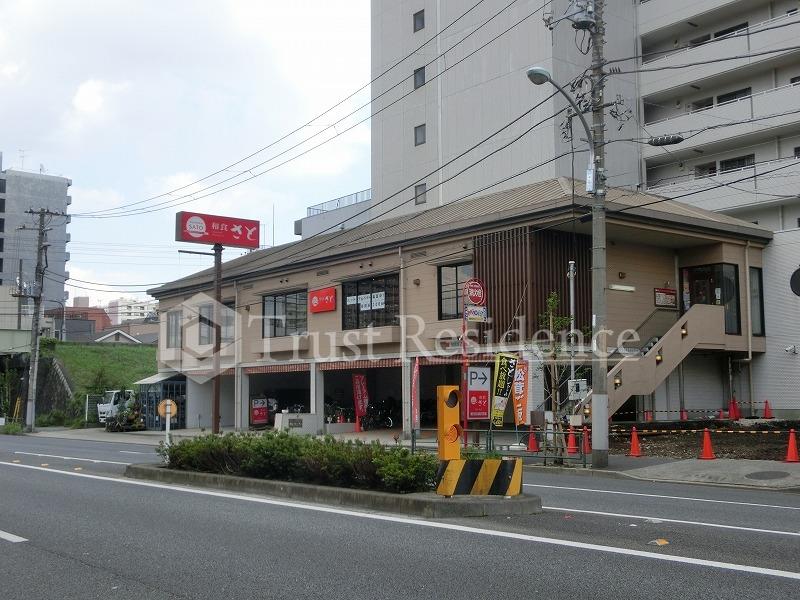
(475,292)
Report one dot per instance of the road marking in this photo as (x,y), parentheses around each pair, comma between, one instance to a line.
(10,537)
(577,489)
(665,520)
(433,524)
(91,460)
(134,452)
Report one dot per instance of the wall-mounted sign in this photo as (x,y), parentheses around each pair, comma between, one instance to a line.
(212,229)
(323,300)
(666,297)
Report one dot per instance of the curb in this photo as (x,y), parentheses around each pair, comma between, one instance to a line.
(424,504)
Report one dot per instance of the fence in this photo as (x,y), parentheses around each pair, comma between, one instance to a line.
(90,407)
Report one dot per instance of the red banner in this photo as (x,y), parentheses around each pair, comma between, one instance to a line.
(360,394)
(520,393)
(323,300)
(259,412)
(212,229)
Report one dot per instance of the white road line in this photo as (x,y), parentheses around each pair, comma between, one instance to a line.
(91,460)
(433,524)
(10,537)
(665,520)
(577,489)
(134,452)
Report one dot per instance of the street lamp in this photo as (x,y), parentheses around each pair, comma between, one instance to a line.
(63,317)
(540,76)
(596,187)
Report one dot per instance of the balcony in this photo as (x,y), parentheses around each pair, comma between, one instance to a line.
(756,190)
(672,75)
(784,99)
(657,14)
(362,196)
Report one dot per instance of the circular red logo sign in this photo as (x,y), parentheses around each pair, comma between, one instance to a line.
(475,292)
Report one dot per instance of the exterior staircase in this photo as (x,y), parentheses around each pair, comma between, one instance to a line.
(639,371)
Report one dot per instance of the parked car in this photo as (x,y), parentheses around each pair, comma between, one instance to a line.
(113,402)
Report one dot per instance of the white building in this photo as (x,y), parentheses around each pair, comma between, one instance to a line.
(128,309)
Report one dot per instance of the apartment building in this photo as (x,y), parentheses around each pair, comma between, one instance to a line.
(130,309)
(301,319)
(21,191)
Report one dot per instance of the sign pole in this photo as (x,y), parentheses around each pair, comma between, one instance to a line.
(217,333)
(168,417)
(464,370)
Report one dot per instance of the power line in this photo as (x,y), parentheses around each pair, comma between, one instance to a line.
(312,120)
(706,62)
(187,198)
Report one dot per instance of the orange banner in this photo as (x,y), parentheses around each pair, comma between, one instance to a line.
(520,393)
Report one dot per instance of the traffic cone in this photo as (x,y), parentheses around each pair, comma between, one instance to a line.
(707,453)
(587,444)
(721,414)
(767,410)
(533,443)
(737,409)
(635,450)
(572,444)
(791,451)
(684,415)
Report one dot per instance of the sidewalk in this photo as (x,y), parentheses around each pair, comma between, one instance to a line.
(760,474)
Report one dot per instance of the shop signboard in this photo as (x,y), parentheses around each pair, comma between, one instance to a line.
(666,297)
(520,392)
(360,394)
(476,314)
(505,365)
(479,382)
(200,228)
(323,300)
(474,292)
(259,412)
(415,395)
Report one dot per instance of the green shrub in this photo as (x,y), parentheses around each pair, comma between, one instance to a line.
(288,457)
(11,429)
(53,418)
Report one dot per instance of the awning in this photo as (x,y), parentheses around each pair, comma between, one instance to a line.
(359,364)
(156,378)
(455,359)
(280,368)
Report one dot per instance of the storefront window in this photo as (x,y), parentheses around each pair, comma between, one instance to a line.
(451,283)
(285,314)
(374,301)
(757,301)
(716,285)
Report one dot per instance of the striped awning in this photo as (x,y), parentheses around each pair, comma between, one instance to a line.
(359,364)
(279,368)
(454,359)
(207,372)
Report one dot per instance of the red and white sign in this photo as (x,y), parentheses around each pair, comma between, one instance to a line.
(415,395)
(360,394)
(259,412)
(323,300)
(520,393)
(212,229)
(474,292)
(479,381)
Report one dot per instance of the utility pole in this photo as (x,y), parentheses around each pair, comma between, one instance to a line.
(217,337)
(35,292)
(599,310)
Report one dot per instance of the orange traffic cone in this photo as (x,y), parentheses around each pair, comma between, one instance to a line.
(721,414)
(767,410)
(684,415)
(587,444)
(635,450)
(572,444)
(707,453)
(791,451)
(533,443)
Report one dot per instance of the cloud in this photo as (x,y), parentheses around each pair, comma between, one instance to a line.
(9,70)
(90,103)
(89,199)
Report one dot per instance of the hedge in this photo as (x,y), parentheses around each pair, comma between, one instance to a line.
(288,457)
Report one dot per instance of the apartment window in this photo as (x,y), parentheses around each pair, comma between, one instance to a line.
(173,329)
(451,284)
(206,329)
(228,323)
(791,11)
(419,135)
(705,170)
(757,300)
(2,186)
(740,162)
(729,30)
(374,301)
(2,244)
(795,80)
(797,151)
(2,205)
(285,314)
(419,77)
(419,20)
(798,223)
(420,193)
(717,285)
(731,96)
(2,225)
(702,103)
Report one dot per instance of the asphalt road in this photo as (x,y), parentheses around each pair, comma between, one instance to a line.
(88,534)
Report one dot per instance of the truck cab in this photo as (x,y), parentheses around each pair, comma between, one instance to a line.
(113,402)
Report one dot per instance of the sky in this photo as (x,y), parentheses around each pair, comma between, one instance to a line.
(132,100)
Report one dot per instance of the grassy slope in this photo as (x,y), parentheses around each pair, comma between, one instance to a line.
(123,363)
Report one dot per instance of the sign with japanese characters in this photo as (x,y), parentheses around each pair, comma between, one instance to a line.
(360,394)
(259,412)
(505,365)
(520,392)
(213,229)
(479,382)
(666,297)
(323,300)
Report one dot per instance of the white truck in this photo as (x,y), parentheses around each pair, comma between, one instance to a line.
(113,402)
